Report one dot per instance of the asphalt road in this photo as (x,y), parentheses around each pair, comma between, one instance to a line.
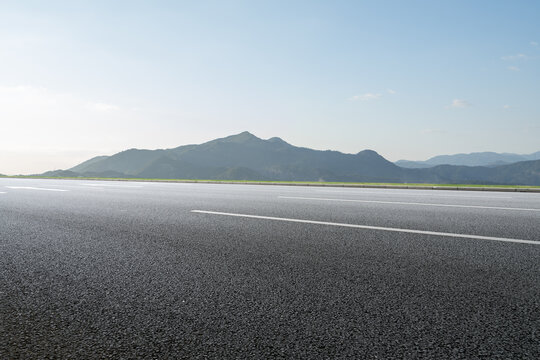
(94,269)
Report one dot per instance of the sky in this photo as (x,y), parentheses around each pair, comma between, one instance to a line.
(408,79)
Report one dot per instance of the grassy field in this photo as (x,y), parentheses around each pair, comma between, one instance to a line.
(307,183)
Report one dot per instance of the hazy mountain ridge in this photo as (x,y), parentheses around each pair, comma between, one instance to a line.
(472,159)
(247,157)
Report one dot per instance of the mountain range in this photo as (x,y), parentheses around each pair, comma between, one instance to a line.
(473,159)
(246,157)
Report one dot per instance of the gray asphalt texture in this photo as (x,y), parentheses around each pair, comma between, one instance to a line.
(126,270)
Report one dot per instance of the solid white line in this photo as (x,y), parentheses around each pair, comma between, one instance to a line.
(33,188)
(411,231)
(409,203)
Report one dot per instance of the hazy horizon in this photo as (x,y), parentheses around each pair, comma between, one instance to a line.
(410,81)
(53,157)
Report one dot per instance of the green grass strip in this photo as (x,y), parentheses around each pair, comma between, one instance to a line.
(314,183)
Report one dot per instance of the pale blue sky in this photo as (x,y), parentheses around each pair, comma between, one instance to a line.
(408,79)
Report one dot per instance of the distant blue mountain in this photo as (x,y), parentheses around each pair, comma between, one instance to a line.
(472,159)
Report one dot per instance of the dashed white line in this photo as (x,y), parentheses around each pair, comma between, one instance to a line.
(409,203)
(33,188)
(368,227)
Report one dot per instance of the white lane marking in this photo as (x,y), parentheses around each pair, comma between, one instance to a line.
(33,188)
(368,227)
(409,203)
(3,192)
(114,185)
(409,194)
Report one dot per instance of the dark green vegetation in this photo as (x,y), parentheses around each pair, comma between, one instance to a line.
(247,157)
(490,159)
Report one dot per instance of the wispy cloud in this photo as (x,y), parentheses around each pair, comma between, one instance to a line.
(459,103)
(534,43)
(513,68)
(390,91)
(515,57)
(506,107)
(366,97)
(41,109)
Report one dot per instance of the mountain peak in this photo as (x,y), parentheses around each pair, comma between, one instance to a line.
(245,133)
(371,155)
(243,137)
(277,140)
(368,152)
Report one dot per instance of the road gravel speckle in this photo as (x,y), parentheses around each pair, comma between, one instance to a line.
(131,272)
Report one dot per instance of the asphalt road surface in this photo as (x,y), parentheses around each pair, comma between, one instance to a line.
(92,269)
